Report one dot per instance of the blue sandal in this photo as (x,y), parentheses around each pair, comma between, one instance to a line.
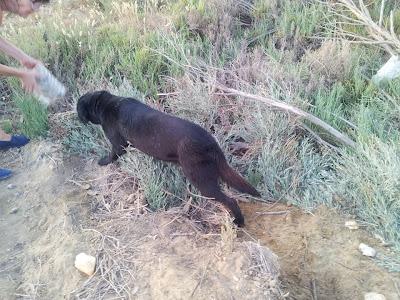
(17,141)
(4,174)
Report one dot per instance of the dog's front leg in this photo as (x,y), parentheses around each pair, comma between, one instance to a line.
(118,147)
(111,157)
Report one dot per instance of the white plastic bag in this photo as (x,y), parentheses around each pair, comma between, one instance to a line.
(390,70)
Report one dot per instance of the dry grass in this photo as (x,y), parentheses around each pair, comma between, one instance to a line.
(215,20)
(344,139)
(264,265)
(223,80)
(264,261)
(329,64)
(228,235)
(360,16)
(115,266)
(121,227)
(116,207)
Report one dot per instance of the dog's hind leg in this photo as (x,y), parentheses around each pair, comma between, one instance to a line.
(214,191)
(204,176)
(118,147)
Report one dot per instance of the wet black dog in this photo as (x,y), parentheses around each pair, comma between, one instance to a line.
(167,138)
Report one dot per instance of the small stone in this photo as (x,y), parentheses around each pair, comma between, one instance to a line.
(374,296)
(367,250)
(11,186)
(352,225)
(14,210)
(92,193)
(85,263)
(86,186)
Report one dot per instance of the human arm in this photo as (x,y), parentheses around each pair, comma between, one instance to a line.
(13,51)
(27,77)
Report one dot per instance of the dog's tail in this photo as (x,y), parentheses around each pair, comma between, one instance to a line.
(235,180)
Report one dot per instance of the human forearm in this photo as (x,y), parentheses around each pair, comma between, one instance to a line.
(12,50)
(18,54)
(27,77)
(9,71)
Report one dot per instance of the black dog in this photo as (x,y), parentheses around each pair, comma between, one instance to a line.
(167,138)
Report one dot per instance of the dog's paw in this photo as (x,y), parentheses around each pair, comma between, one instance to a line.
(239,221)
(104,161)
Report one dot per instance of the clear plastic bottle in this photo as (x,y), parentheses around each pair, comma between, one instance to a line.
(50,88)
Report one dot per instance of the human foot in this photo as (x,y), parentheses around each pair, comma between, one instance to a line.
(5,136)
(4,173)
(16,141)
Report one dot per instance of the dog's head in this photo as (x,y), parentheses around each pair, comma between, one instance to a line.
(87,107)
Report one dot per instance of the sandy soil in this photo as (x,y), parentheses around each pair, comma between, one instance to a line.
(318,250)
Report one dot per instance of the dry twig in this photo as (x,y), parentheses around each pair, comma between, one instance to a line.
(293,110)
(378,34)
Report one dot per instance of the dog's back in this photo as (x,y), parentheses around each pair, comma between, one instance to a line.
(153,131)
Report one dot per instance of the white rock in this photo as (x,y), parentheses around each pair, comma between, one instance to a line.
(85,263)
(92,193)
(14,210)
(86,186)
(374,296)
(367,250)
(352,225)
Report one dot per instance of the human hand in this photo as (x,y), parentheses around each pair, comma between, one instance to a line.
(29,62)
(28,80)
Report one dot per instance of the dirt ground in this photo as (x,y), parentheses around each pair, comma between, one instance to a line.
(319,248)
(46,219)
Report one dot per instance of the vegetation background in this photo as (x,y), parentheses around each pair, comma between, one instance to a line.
(174,54)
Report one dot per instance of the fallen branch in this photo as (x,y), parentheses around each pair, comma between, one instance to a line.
(344,139)
(273,213)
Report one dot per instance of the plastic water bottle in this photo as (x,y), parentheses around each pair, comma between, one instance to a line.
(50,88)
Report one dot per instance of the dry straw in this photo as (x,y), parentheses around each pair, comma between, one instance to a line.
(360,16)
(217,87)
